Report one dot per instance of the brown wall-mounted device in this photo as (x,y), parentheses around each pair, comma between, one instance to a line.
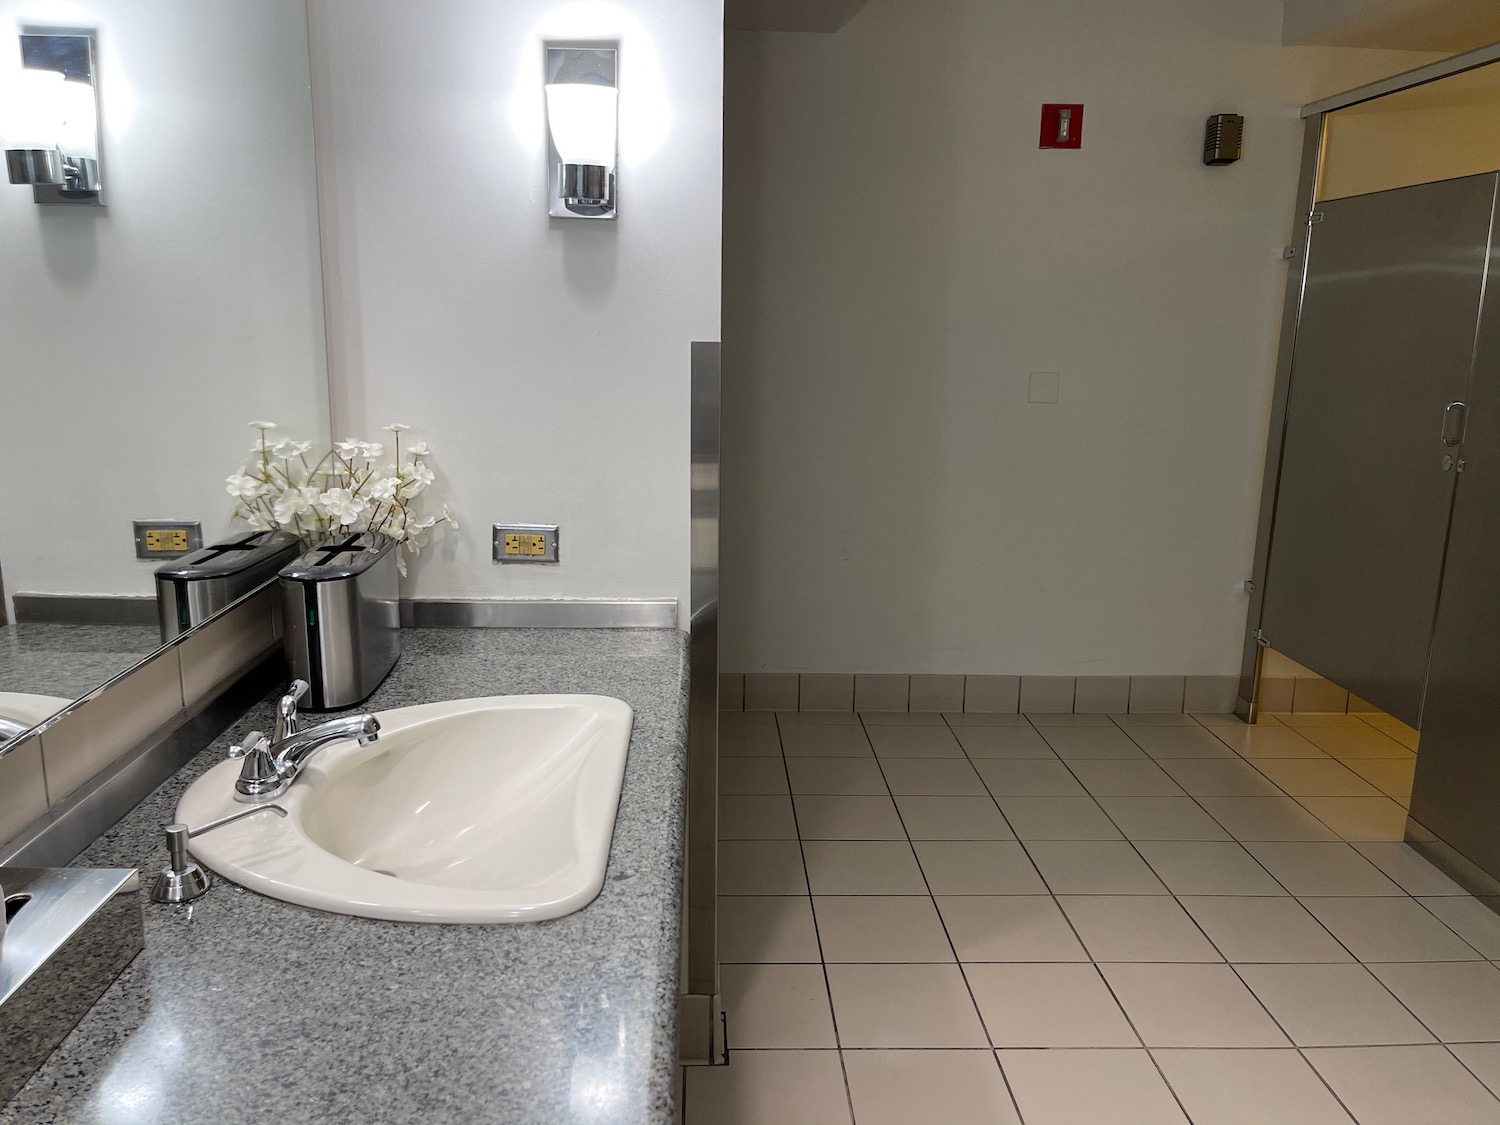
(1223,139)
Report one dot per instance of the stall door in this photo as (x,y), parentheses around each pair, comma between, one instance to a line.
(1384,345)
(1457,789)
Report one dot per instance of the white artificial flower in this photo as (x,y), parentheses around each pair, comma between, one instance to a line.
(353,448)
(245,487)
(341,505)
(416,477)
(294,502)
(352,489)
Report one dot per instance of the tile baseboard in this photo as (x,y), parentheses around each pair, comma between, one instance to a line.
(824,691)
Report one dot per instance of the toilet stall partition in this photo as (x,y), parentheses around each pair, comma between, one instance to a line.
(1377,559)
(1382,379)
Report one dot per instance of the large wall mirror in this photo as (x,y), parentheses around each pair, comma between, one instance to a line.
(142,331)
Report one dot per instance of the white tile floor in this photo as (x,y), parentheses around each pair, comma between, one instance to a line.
(1090,920)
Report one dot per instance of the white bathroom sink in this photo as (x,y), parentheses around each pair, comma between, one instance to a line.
(30,709)
(476,810)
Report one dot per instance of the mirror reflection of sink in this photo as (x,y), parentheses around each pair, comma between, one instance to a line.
(25,711)
(476,810)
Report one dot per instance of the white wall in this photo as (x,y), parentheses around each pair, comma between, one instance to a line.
(545,360)
(137,340)
(899,256)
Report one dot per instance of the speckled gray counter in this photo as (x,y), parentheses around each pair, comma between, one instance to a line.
(49,658)
(246,1010)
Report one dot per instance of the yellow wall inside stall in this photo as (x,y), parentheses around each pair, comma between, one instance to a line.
(1440,131)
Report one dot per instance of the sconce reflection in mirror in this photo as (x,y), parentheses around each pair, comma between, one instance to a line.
(583,119)
(49,119)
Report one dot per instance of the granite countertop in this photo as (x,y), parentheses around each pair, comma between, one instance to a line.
(247,1010)
(48,658)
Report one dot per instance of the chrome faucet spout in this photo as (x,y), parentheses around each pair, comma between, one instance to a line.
(290,755)
(271,765)
(12,728)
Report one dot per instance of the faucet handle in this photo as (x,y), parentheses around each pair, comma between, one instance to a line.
(260,776)
(253,741)
(286,710)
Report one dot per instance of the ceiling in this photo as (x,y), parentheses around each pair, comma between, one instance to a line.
(1409,25)
(788,15)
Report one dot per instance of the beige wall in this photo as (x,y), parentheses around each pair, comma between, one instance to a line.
(1439,131)
(900,256)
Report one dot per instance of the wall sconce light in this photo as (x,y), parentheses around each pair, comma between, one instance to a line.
(583,119)
(49,120)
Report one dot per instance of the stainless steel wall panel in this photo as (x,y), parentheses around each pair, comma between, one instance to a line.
(702,958)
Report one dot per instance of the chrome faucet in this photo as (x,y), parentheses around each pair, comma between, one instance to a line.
(12,728)
(272,764)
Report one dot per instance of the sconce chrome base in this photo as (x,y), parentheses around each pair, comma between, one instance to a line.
(36,166)
(82,174)
(55,178)
(587,189)
(81,184)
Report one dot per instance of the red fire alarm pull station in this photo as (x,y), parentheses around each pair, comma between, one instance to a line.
(1062,126)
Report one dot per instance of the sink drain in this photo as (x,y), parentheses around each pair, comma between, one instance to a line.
(13,905)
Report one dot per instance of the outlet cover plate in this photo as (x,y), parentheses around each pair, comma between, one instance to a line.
(167,539)
(525,543)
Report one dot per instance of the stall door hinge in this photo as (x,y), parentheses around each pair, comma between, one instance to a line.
(1260,639)
(1314,217)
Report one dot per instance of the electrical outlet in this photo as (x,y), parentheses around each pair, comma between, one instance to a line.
(525,542)
(167,539)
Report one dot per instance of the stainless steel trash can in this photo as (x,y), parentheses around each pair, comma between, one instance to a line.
(341,603)
(193,588)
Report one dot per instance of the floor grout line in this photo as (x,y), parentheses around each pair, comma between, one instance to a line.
(943,922)
(932,898)
(1084,945)
(817,929)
